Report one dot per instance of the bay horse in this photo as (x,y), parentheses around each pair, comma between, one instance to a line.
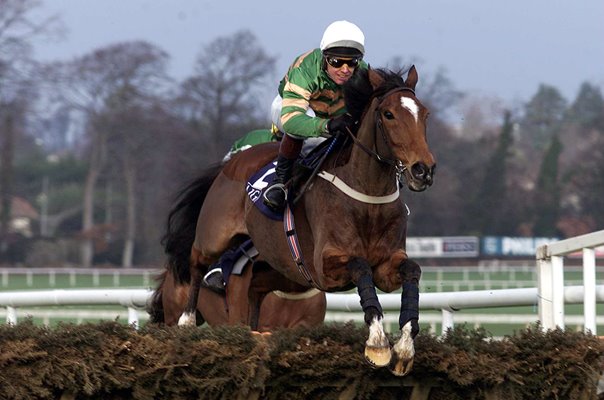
(246,302)
(351,223)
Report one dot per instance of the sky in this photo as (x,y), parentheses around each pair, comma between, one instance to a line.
(500,48)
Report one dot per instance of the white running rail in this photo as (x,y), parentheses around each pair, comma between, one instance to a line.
(448,303)
(550,295)
(550,273)
(132,299)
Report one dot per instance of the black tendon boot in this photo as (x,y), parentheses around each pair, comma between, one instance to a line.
(274,195)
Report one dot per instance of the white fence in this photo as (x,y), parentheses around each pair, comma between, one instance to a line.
(550,295)
(550,272)
(132,299)
(447,302)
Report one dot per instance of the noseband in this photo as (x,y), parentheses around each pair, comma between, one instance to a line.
(396,163)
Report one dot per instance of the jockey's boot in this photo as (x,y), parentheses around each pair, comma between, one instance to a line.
(275,194)
(214,281)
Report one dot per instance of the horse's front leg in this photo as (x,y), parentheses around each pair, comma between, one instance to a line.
(404,349)
(377,346)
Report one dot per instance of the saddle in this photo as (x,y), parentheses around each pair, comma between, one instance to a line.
(304,171)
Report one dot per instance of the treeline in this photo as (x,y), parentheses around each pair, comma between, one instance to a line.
(100,145)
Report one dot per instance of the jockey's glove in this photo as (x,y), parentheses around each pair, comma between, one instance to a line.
(341,123)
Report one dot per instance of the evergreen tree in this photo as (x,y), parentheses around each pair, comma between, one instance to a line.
(543,116)
(547,196)
(587,111)
(587,183)
(487,210)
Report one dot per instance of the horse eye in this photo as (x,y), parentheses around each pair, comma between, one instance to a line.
(388,115)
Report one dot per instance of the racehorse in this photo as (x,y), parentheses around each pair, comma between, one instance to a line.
(246,302)
(350,224)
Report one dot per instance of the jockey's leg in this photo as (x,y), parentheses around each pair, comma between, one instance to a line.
(289,150)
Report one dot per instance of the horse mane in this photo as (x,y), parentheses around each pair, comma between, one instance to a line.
(358,91)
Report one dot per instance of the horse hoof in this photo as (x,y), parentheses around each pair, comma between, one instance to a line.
(402,367)
(378,357)
(261,335)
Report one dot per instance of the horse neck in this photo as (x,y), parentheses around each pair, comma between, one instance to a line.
(364,171)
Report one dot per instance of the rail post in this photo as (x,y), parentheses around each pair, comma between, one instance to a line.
(550,273)
(133,317)
(11,315)
(448,323)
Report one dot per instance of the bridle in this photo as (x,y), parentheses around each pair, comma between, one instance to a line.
(396,163)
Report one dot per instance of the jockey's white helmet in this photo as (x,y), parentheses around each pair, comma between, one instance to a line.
(343,34)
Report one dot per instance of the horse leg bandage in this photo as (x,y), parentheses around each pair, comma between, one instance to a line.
(409,305)
(410,274)
(369,298)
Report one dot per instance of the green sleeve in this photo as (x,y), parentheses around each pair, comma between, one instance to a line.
(300,124)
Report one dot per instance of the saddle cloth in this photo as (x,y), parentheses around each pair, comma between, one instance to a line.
(233,261)
(261,179)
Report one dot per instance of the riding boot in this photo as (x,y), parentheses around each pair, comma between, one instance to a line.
(275,194)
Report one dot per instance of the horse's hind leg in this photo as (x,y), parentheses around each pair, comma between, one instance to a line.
(220,221)
(377,346)
(404,349)
(169,300)
(188,316)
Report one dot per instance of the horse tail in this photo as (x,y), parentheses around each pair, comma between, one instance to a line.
(182,221)
(156,305)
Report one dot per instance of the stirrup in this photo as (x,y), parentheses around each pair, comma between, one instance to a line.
(213,280)
(271,203)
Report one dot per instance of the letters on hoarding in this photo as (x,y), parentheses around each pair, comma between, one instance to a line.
(446,246)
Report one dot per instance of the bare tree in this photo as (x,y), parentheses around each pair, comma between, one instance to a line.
(17,29)
(89,84)
(223,93)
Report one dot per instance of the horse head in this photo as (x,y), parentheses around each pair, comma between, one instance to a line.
(398,121)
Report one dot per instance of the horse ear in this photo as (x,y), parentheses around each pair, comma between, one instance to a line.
(412,77)
(375,79)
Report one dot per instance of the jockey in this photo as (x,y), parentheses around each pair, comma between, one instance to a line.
(311,101)
(310,104)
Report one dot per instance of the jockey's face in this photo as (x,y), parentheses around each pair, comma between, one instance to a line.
(343,73)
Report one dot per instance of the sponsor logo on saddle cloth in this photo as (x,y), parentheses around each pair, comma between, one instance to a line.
(256,185)
(312,152)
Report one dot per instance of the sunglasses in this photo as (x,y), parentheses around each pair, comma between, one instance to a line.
(339,62)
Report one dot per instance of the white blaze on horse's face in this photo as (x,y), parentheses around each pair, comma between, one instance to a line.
(410,105)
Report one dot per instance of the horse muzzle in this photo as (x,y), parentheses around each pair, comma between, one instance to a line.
(419,177)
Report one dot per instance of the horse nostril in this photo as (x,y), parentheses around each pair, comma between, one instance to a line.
(419,170)
(422,173)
